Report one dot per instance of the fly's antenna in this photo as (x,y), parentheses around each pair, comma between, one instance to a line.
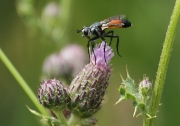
(78,31)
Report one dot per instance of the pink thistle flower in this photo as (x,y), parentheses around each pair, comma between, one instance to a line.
(88,88)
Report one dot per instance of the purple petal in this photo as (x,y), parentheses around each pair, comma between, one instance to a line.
(100,57)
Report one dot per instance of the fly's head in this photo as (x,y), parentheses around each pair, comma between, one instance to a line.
(86,32)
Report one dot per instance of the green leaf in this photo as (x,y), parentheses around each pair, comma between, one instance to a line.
(127,89)
(50,120)
(129,85)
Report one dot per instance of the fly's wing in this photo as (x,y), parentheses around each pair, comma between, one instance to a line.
(113,22)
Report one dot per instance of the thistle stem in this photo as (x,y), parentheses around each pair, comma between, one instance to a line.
(74,120)
(22,82)
(163,65)
(65,19)
(61,117)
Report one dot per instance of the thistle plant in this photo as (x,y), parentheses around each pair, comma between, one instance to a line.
(150,109)
(86,91)
(84,95)
(88,88)
(140,95)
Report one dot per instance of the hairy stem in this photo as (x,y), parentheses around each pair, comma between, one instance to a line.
(163,65)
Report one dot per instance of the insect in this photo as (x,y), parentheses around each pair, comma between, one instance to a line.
(97,29)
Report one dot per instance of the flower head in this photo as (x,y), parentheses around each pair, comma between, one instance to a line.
(53,95)
(88,88)
(145,86)
(102,58)
(51,67)
(145,83)
(73,59)
(66,63)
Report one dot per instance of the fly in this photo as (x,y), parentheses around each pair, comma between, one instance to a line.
(97,29)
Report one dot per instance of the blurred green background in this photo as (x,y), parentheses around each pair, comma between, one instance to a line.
(140,47)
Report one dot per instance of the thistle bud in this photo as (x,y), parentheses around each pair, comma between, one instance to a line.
(73,59)
(145,86)
(66,63)
(51,67)
(89,86)
(52,94)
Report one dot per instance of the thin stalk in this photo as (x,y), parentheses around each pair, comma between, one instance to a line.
(61,117)
(74,120)
(22,82)
(65,19)
(163,66)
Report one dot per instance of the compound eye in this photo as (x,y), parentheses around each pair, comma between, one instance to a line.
(85,32)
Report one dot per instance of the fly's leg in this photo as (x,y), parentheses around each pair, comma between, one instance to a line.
(104,48)
(117,43)
(92,45)
(111,33)
(88,49)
